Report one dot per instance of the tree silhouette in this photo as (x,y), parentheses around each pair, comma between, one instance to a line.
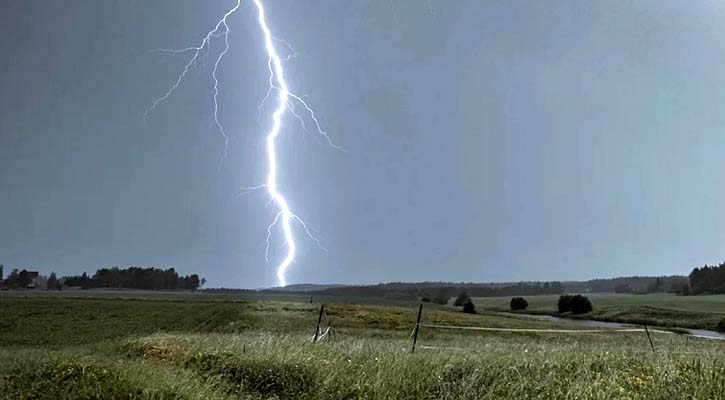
(519,303)
(462,299)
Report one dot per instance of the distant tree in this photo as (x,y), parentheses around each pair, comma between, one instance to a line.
(564,304)
(721,325)
(519,303)
(708,280)
(576,304)
(441,296)
(469,308)
(170,276)
(12,280)
(1,272)
(655,286)
(52,283)
(623,288)
(462,299)
(581,305)
(193,282)
(87,282)
(425,297)
(203,281)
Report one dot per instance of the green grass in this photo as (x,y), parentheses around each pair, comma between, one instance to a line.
(62,322)
(194,349)
(702,312)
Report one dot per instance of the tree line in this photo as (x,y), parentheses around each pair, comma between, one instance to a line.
(707,280)
(440,292)
(127,278)
(629,284)
(136,278)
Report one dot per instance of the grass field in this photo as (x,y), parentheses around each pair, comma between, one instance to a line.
(703,312)
(90,348)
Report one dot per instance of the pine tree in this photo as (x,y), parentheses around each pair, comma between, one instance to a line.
(462,299)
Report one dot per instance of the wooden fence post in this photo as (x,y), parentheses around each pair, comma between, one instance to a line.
(648,337)
(417,327)
(319,320)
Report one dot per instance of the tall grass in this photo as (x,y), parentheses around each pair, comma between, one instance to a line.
(479,367)
(262,351)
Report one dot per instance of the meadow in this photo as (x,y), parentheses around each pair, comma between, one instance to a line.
(662,309)
(222,348)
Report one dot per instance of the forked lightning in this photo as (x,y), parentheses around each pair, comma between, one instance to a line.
(278,85)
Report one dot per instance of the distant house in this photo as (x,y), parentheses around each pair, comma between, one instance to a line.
(3,286)
(37,281)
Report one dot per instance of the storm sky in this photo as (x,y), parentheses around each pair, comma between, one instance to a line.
(486,140)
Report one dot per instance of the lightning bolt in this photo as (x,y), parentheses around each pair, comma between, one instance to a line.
(285,215)
(286,101)
(197,52)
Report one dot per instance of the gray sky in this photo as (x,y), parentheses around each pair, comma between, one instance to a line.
(486,140)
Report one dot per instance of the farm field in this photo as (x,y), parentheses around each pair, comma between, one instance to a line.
(663,309)
(63,347)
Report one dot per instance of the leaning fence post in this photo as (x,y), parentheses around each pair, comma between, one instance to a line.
(417,327)
(649,337)
(319,320)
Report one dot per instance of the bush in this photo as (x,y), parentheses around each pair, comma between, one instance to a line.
(519,303)
(469,308)
(462,299)
(577,304)
(721,325)
(564,303)
(581,305)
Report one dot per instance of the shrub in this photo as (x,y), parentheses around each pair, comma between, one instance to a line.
(581,305)
(425,299)
(519,303)
(577,304)
(462,299)
(469,308)
(721,325)
(564,303)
